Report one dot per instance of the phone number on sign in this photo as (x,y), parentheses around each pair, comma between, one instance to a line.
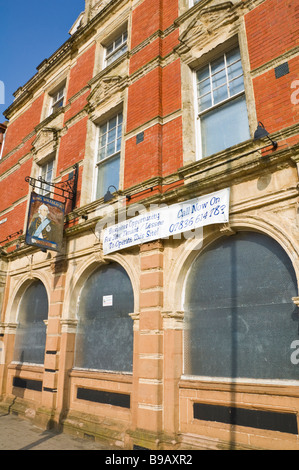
(192,221)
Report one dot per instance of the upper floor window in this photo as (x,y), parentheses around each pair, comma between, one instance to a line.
(47,174)
(57,99)
(222,110)
(108,155)
(116,48)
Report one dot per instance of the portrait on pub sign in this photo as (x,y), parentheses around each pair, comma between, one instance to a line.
(45,223)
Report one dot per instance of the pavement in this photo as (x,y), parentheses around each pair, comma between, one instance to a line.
(19,434)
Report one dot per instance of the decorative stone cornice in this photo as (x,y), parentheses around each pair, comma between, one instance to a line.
(68,325)
(8,328)
(207,22)
(45,142)
(173,320)
(106,87)
(136,319)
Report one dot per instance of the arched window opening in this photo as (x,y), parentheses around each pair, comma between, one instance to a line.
(105,330)
(31,331)
(240,318)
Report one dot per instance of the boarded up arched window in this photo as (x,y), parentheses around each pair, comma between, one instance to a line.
(240,318)
(105,331)
(31,331)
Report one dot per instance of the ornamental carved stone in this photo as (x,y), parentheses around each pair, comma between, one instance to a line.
(106,87)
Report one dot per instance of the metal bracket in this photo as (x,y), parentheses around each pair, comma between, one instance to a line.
(67,189)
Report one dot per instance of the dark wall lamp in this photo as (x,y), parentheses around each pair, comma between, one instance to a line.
(262,132)
(109,196)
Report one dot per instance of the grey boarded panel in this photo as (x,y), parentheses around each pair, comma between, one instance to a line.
(239,313)
(105,334)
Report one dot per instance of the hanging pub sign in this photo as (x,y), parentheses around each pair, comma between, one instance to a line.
(45,223)
(161,223)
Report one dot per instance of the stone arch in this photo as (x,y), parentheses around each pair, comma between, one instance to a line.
(85,270)
(18,291)
(190,249)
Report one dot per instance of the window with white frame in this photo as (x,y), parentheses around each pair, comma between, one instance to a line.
(116,48)
(47,174)
(57,99)
(222,109)
(108,155)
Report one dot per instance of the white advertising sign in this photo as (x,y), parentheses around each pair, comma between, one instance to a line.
(164,222)
(107,300)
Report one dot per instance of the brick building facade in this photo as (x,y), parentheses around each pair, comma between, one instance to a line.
(180,342)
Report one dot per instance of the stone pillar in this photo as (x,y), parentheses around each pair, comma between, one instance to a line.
(66,362)
(53,341)
(173,360)
(7,342)
(148,366)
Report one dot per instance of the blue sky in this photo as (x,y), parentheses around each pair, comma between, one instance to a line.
(29,33)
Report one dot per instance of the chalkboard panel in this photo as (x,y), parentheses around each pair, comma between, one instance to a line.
(108,398)
(259,419)
(29,384)
(240,318)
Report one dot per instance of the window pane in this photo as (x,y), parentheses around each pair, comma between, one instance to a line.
(111,148)
(118,42)
(219,79)
(225,126)
(204,87)
(220,94)
(234,70)
(108,174)
(233,55)
(236,86)
(111,135)
(118,145)
(217,65)
(203,73)
(103,128)
(112,123)
(205,102)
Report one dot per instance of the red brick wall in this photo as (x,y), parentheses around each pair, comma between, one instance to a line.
(145,21)
(272,29)
(172,146)
(14,187)
(72,146)
(23,125)
(82,72)
(171,88)
(143,160)
(273,98)
(155,95)
(7,163)
(159,47)
(15,221)
(151,16)
(76,106)
(144,101)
